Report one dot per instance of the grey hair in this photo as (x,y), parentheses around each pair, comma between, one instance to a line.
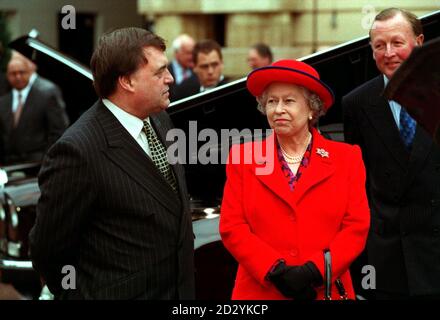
(177,43)
(314,101)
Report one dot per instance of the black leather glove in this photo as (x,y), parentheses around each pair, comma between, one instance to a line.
(296,281)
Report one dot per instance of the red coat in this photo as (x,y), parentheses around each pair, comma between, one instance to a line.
(262,221)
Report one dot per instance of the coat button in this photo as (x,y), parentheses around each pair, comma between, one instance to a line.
(294,252)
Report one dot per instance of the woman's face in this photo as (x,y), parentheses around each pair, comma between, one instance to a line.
(287,109)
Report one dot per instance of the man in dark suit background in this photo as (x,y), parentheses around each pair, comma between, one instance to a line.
(259,55)
(4,86)
(208,67)
(403,170)
(32,114)
(111,206)
(181,67)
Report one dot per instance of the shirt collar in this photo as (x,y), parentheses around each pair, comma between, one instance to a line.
(131,123)
(385,80)
(203,89)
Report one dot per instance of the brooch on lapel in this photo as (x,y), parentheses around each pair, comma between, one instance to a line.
(322,152)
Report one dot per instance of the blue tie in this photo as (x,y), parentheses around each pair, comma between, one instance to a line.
(407,128)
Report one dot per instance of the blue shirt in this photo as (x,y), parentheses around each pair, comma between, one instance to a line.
(395,107)
(179,71)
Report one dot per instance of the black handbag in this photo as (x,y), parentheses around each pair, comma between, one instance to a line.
(328,279)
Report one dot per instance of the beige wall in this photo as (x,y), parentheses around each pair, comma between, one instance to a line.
(286,25)
(215,6)
(43,14)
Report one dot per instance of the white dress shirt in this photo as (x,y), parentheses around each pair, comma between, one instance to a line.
(395,107)
(132,124)
(24,93)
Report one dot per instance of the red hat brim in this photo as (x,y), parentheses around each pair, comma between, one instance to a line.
(259,79)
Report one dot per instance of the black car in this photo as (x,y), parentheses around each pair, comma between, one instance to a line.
(229,108)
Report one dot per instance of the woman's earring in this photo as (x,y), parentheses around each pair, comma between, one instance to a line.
(310,117)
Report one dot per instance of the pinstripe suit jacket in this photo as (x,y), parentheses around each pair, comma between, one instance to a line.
(106,210)
(404,194)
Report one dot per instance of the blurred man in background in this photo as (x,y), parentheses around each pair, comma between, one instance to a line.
(32,115)
(208,66)
(4,86)
(182,64)
(259,56)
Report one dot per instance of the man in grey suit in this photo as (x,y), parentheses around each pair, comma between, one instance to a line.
(112,209)
(403,170)
(32,114)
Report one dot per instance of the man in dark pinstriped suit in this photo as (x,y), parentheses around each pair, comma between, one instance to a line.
(105,208)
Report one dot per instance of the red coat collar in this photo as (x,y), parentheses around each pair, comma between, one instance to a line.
(268,170)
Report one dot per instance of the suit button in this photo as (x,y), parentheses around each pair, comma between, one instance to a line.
(294,252)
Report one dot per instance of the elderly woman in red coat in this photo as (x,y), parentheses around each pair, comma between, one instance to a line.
(277,223)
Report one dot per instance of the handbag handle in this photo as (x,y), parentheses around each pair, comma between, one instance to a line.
(327,275)
(328,279)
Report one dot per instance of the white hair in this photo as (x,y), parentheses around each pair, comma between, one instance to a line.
(177,43)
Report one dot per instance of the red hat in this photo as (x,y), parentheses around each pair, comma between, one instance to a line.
(290,71)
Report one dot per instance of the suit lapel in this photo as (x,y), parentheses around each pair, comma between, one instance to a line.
(29,104)
(274,180)
(125,152)
(162,130)
(378,111)
(26,110)
(422,146)
(320,168)
(9,119)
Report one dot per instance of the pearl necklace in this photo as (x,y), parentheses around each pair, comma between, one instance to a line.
(295,159)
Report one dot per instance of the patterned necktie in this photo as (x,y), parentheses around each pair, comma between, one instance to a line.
(159,155)
(17,112)
(407,128)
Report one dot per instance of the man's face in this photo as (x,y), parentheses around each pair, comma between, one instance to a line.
(392,42)
(255,60)
(151,83)
(209,68)
(184,54)
(18,74)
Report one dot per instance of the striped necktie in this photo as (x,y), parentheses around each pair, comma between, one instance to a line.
(159,155)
